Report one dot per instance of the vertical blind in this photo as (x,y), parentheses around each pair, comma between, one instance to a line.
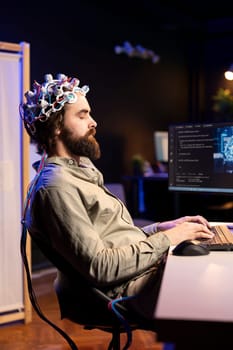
(11,280)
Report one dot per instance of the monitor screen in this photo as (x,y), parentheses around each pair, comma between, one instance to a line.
(161,146)
(201,157)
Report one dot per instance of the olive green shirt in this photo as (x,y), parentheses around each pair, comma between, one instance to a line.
(88,226)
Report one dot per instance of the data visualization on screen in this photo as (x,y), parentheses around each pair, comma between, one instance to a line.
(201,157)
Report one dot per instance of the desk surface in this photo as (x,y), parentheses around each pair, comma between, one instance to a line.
(196,301)
(197,288)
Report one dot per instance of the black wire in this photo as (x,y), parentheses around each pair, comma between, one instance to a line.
(31,292)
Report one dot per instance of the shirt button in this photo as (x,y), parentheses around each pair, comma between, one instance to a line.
(71,162)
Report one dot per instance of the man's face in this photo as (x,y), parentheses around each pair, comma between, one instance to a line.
(79,130)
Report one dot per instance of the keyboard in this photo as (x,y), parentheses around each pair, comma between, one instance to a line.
(222,240)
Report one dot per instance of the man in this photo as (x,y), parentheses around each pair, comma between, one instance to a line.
(71,213)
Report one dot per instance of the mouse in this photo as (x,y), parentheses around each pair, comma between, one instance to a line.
(190,248)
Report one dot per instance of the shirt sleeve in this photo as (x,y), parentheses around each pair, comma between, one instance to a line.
(151,229)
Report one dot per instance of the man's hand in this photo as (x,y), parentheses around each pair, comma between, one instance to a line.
(186,228)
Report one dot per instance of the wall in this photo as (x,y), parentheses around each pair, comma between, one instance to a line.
(218,56)
(130,97)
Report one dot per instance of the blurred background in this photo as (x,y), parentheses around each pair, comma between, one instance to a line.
(130,96)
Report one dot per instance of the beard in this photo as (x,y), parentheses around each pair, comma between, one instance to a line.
(85,146)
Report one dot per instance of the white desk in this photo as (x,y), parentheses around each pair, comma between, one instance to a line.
(196,297)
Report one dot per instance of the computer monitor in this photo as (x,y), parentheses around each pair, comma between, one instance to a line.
(201,157)
(161,146)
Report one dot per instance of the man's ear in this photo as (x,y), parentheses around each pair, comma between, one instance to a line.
(59,125)
(57,132)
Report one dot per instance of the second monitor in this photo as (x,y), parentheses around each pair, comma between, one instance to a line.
(161,146)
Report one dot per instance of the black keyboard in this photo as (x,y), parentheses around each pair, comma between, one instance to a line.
(222,240)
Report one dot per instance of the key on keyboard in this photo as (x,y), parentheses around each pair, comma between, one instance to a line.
(222,240)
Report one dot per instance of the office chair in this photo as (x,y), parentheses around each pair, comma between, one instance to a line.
(102,313)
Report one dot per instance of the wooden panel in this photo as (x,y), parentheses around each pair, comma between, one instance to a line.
(23,49)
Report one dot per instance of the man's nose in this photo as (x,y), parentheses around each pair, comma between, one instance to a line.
(93,123)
